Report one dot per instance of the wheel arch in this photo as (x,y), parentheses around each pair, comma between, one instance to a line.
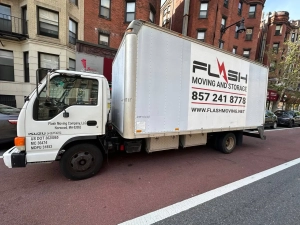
(78,140)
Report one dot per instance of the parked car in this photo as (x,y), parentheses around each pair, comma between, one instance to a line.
(8,121)
(287,118)
(270,119)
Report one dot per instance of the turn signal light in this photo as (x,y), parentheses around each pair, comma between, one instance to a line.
(20,143)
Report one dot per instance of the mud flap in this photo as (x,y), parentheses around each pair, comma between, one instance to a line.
(260,133)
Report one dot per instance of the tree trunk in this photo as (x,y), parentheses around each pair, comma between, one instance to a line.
(274,107)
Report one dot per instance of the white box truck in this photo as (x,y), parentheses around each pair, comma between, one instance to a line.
(168,91)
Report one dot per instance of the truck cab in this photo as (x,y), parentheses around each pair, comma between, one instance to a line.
(67,107)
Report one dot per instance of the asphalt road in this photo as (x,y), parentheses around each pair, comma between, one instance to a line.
(129,186)
(272,200)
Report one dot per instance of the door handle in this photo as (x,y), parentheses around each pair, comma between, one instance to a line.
(91,123)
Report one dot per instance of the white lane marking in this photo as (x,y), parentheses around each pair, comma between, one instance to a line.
(1,157)
(176,208)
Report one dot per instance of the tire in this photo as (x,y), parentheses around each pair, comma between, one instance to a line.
(226,143)
(81,161)
(291,123)
(274,126)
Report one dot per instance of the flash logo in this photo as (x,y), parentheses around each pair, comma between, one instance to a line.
(232,75)
(222,70)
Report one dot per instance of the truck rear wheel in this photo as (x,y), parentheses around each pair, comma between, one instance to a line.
(226,142)
(81,161)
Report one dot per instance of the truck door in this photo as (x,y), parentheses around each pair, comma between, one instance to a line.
(72,111)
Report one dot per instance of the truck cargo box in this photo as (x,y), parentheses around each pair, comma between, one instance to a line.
(167,84)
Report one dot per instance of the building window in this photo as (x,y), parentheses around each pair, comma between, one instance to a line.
(105,8)
(72,32)
(226,3)
(240,8)
(234,49)
(166,16)
(9,100)
(24,20)
(47,23)
(203,10)
(223,22)
(275,47)
(293,37)
(152,14)
(48,62)
(252,11)
(5,18)
(249,33)
(201,35)
(246,53)
(75,2)
(72,64)
(221,44)
(130,11)
(273,66)
(236,34)
(278,30)
(26,67)
(7,66)
(103,39)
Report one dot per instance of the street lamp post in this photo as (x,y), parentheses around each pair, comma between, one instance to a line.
(284,97)
(240,29)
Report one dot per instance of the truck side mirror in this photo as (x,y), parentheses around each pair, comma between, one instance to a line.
(48,85)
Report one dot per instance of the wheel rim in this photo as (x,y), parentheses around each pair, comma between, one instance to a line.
(229,143)
(82,161)
(275,125)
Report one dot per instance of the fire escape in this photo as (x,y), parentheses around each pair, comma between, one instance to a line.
(13,28)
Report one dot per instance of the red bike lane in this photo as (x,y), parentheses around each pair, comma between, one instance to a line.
(131,185)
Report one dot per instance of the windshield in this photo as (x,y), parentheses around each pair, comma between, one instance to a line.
(66,91)
(8,110)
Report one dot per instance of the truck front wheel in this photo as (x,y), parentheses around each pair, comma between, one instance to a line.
(226,142)
(81,161)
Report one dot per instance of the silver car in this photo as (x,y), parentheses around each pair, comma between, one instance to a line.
(8,123)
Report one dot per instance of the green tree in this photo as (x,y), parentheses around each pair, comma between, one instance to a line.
(284,72)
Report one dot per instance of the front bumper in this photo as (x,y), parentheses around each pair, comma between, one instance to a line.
(283,122)
(14,158)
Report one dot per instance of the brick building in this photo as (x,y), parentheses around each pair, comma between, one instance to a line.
(35,34)
(205,18)
(295,30)
(277,31)
(105,22)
